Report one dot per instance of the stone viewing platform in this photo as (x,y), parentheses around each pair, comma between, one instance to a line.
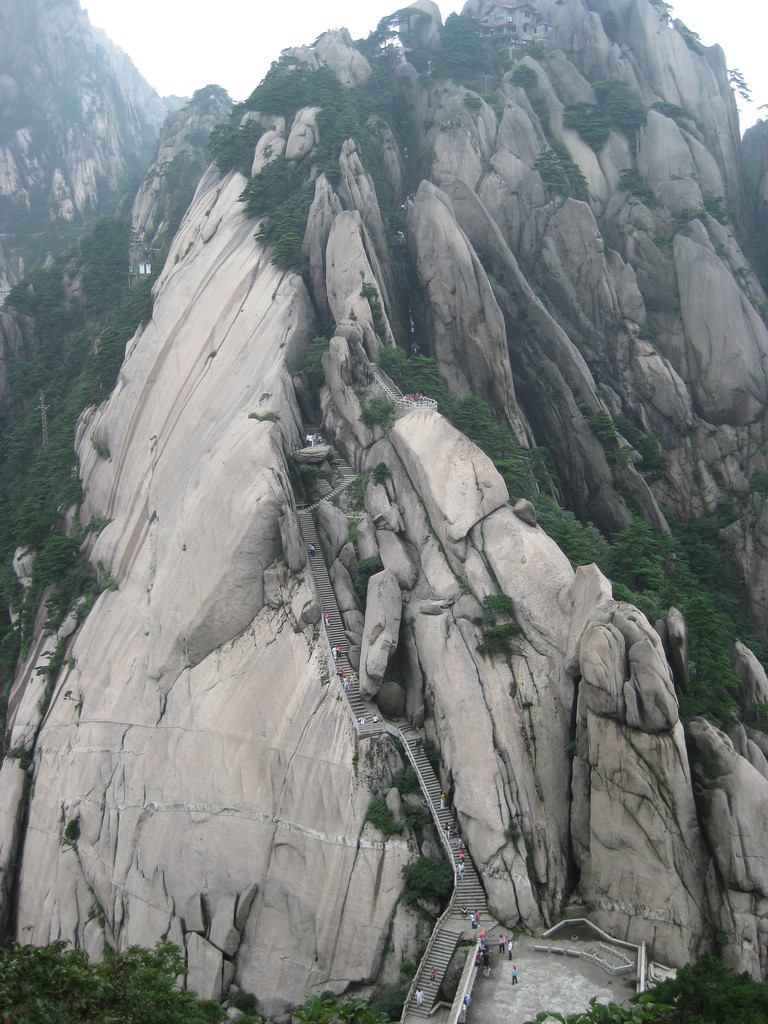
(545,983)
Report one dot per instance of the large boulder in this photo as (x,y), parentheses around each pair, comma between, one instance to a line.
(732,798)
(753,681)
(465,325)
(458,482)
(382,628)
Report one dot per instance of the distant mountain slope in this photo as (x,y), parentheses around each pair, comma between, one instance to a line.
(78,124)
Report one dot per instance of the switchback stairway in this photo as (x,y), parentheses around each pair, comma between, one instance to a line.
(468,890)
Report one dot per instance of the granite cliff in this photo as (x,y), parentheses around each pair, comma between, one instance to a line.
(593,292)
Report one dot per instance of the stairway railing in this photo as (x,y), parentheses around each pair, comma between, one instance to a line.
(398,399)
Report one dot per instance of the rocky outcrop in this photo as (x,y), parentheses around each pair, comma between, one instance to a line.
(178,166)
(335,50)
(466,327)
(731,797)
(631,784)
(751,675)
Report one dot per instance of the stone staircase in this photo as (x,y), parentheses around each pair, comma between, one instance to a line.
(468,889)
(348,476)
(336,635)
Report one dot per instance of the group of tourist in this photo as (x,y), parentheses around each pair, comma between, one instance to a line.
(416,398)
(313,439)
(483,954)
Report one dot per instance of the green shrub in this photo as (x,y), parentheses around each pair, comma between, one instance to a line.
(758,483)
(390,1004)
(428,879)
(648,331)
(525,77)
(416,817)
(380,473)
(378,412)
(500,639)
(654,458)
(498,604)
(592,123)
(408,782)
(602,427)
(244,1001)
(682,117)
(715,207)
(465,55)
(366,568)
(559,173)
(268,417)
(636,187)
(312,362)
(232,146)
(708,992)
(381,818)
(53,983)
(72,832)
(625,110)
(22,755)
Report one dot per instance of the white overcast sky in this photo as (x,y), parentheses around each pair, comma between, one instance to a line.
(180,46)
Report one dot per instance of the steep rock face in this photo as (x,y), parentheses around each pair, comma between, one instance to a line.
(335,50)
(466,329)
(189,759)
(731,797)
(726,341)
(59,177)
(635,830)
(642,270)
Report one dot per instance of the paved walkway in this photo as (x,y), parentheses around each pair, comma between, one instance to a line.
(546,983)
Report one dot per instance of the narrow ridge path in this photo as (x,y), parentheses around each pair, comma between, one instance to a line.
(468,890)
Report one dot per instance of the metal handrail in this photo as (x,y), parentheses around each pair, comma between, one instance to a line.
(398,399)
(422,963)
(394,731)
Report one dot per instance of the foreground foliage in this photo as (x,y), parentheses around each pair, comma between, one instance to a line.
(47,984)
